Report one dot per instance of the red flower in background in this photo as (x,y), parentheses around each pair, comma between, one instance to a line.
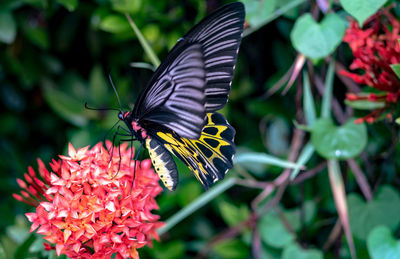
(375,47)
(88,207)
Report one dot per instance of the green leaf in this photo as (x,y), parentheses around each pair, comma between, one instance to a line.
(8,27)
(68,107)
(342,142)
(384,209)
(261,158)
(38,36)
(268,252)
(114,24)
(98,86)
(79,138)
(257,11)
(232,214)
(295,217)
(2,251)
(189,192)
(304,156)
(327,96)
(273,232)
(10,5)
(169,250)
(69,4)
(281,7)
(295,251)
(308,101)
(361,10)
(126,6)
(396,69)
(23,249)
(382,245)
(364,104)
(277,137)
(317,40)
(151,32)
(231,248)
(38,3)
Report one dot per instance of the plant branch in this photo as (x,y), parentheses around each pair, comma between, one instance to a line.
(361,179)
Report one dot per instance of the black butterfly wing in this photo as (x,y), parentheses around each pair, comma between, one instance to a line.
(176,99)
(208,157)
(183,107)
(220,35)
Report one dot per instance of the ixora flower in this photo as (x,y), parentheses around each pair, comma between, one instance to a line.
(375,47)
(88,206)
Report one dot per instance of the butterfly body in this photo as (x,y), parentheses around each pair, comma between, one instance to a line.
(176,112)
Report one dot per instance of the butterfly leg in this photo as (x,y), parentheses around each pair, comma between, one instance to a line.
(134,169)
(118,133)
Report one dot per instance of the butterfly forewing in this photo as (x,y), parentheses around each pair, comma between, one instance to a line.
(177,98)
(219,37)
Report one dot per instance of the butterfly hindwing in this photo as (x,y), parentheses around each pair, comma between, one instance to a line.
(163,163)
(208,157)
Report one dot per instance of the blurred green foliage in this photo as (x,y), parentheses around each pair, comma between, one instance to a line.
(57,55)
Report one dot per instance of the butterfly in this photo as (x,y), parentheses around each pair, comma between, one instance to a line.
(175,114)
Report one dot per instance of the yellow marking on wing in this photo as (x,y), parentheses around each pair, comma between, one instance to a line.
(192,155)
(160,165)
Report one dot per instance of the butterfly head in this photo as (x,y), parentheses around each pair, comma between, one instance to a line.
(136,130)
(123,115)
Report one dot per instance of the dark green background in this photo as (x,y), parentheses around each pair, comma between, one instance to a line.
(60,58)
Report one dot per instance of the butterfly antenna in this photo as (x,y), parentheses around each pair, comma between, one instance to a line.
(101,109)
(115,90)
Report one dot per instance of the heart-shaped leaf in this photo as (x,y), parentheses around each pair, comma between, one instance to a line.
(384,209)
(361,10)
(317,40)
(273,232)
(295,251)
(342,142)
(382,245)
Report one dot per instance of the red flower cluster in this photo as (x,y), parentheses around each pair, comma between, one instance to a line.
(88,206)
(375,47)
